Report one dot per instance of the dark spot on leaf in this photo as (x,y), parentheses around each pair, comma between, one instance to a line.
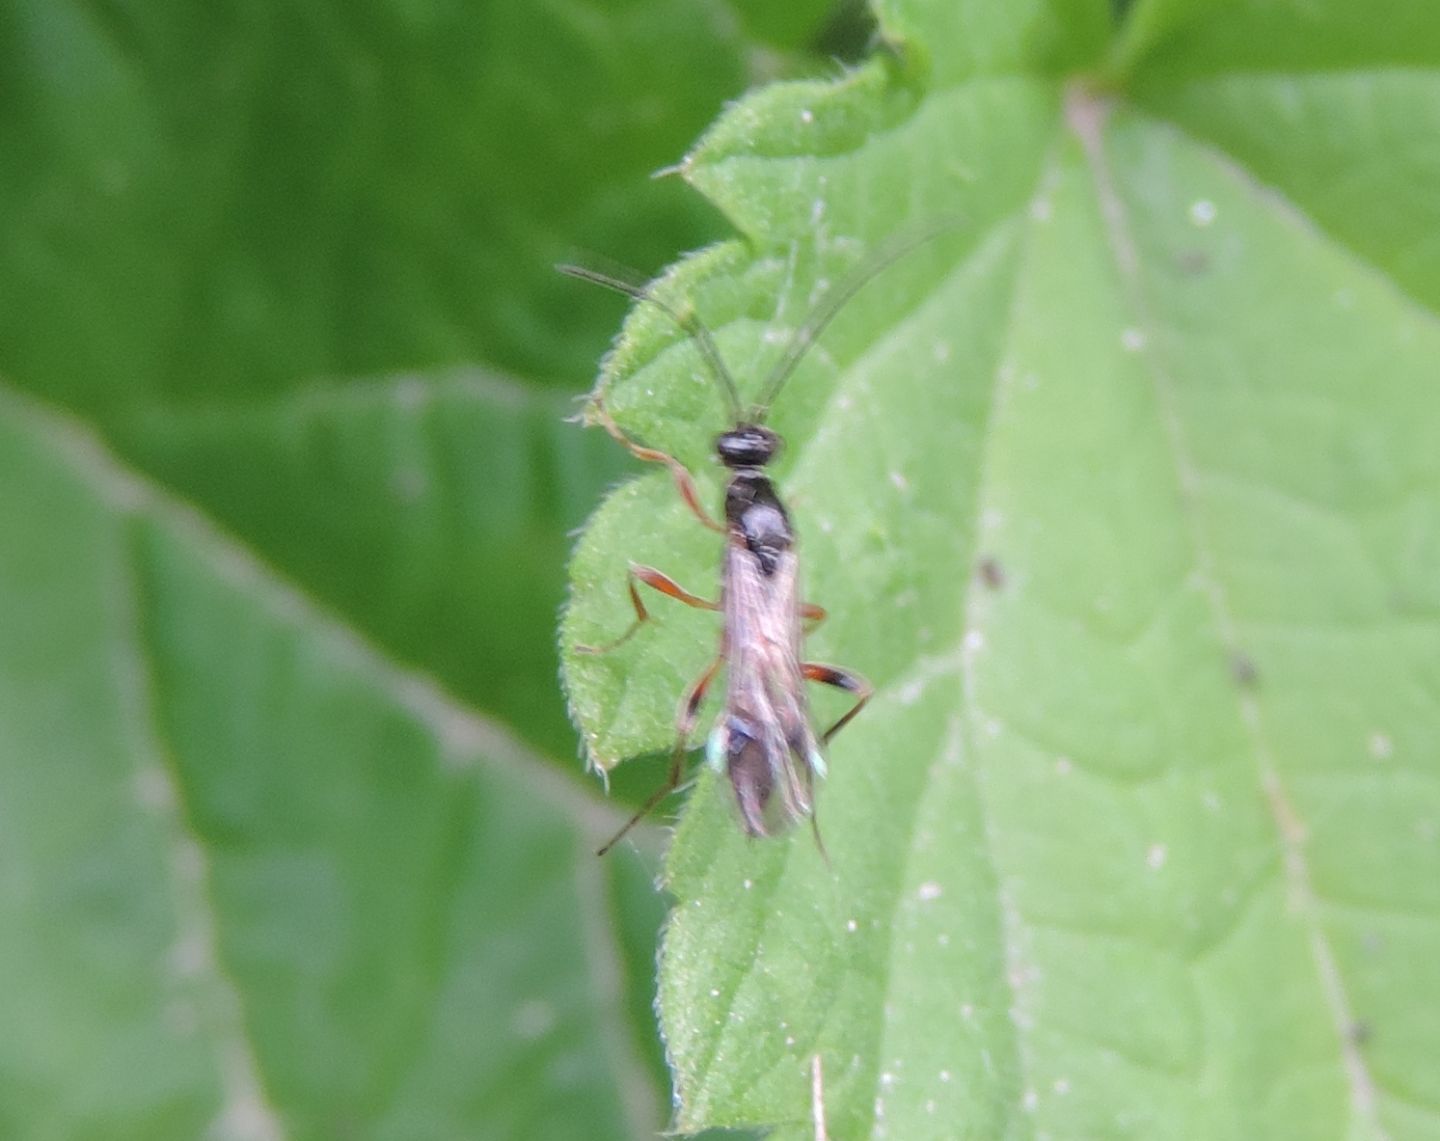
(992,574)
(1192,263)
(1243,669)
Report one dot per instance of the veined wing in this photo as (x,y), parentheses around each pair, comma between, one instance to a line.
(763,741)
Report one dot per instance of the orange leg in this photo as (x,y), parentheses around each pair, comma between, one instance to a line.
(840,679)
(684,726)
(656,581)
(683,479)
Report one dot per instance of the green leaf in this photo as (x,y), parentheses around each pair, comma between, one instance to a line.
(1125,493)
(791,24)
(232,201)
(293,842)
(260,878)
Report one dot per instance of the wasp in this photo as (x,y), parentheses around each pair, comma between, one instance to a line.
(763,740)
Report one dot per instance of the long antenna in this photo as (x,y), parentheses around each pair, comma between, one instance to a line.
(687,321)
(804,337)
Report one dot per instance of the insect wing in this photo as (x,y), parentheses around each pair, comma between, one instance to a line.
(764,742)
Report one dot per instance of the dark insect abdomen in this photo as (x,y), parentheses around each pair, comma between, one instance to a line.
(750,773)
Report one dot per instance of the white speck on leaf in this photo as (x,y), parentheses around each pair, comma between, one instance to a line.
(1064,765)
(190,955)
(928,891)
(408,484)
(1381,745)
(807,116)
(532,1019)
(1132,340)
(411,394)
(153,789)
(1156,856)
(189,862)
(1202,212)
(182,1018)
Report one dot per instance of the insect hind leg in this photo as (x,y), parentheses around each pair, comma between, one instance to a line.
(684,726)
(840,679)
(656,581)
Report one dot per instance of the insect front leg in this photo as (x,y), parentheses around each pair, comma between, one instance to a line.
(656,581)
(684,481)
(684,726)
(840,679)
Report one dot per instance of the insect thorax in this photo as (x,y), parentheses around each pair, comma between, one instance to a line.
(756,515)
